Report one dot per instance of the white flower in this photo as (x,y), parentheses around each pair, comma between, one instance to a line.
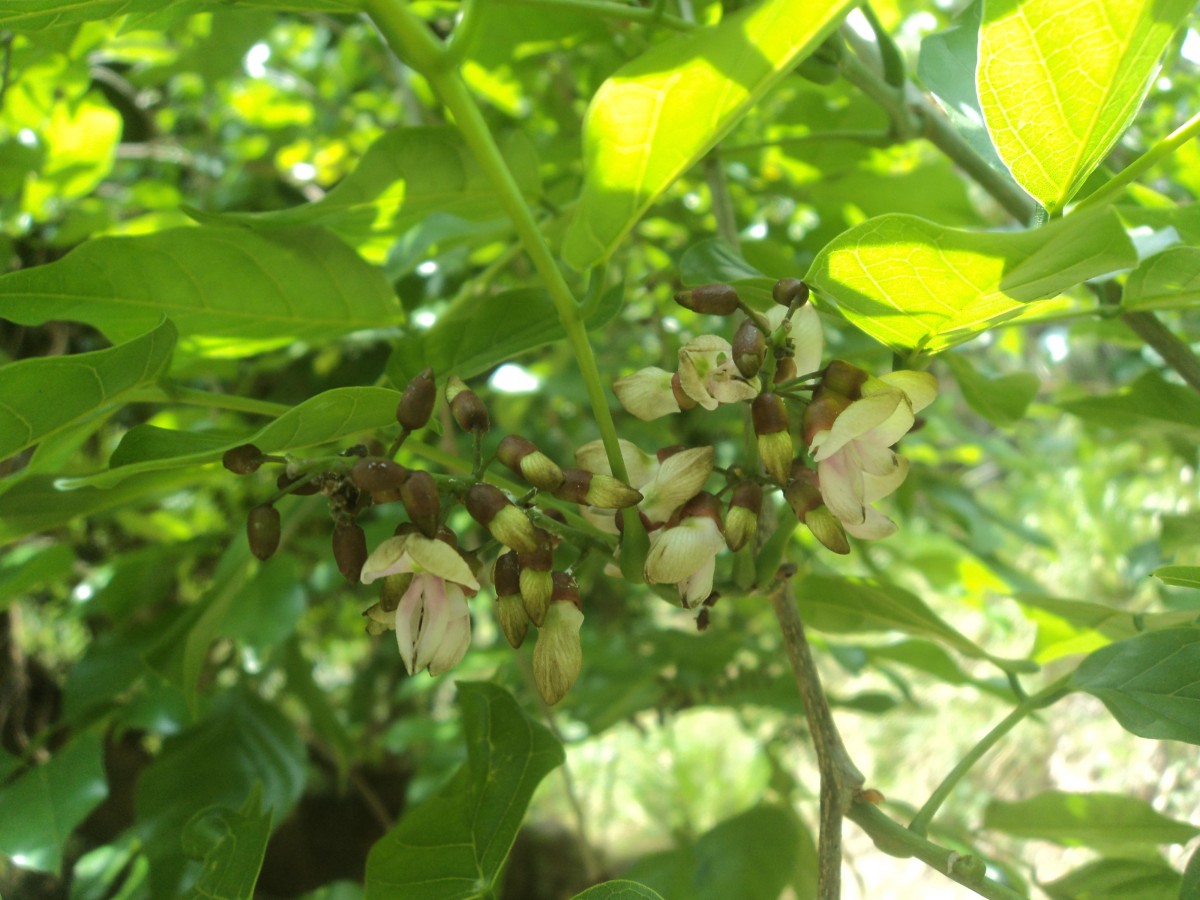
(418,554)
(647,393)
(708,374)
(686,555)
(665,486)
(805,334)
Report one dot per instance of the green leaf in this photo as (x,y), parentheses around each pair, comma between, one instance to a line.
(1167,280)
(1106,822)
(1190,889)
(712,260)
(474,337)
(1179,532)
(750,856)
(1003,400)
(1179,576)
(619,890)
(1149,406)
(28,565)
(1149,683)
(327,417)
(229,291)
(36,15)
(1117,879)
(83,387)
(1059,84)
(851,606)
(405,176)
(237,844)
(39,810)
(657,115)
(453,845)
(243,741)
(916,285)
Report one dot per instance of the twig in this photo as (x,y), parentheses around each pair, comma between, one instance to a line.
(841,781)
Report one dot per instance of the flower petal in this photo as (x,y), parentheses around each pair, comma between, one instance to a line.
(678,553)
(876,525)
(876,487)
(919,387)
(842,488)
(728,385)
(807,337)
(457,637)
(680,478)
(435,617)
(647,393)
(387,559)
(640,465)
(408,624)
(440,559)
(695,589)
(856,420)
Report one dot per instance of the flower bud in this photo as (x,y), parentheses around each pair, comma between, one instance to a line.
(790,292)
(349,549)
(283,482)
(842,378)
(804,497)
(741,522)
(749,348)
(379,620)
(769,414)
(536,581)
(243,459)
(510,609)
(590,489)
(416,404)
(466,407)
(510,526)
(558,654)
(524,458)
(785,370)
(420,497)
(711,299)
(381,478)
(262,529)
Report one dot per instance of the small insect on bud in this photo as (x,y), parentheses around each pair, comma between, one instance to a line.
(749,348)
(741,522)
(536,582)
(349,549)
(769,414)
(243,459)
(710,299)
(510,609)
(510,526)
(419,494)
(283,482)
(524,458)
(416,403)
(558,654)
(466,407)
(381,478)
(590,489)
(262,529)
(790,292)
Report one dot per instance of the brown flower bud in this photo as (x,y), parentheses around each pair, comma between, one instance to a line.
(789,292)
(804,497)
(785,370)
(590,489)
(749,348)
(419,494)
(524,458)
(536,582)
(307,489)
(506,574)
(262,529)
(349,549)
(466,407)
(243,459)
(379,477)
(489,507)
(416,404)
(842,378)
(711,299)
(741,522)
(769,414)
(510,609)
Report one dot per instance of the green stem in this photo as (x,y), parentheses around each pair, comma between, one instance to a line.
(171,393)
(920,823)
(1174,351)
(871,138)
(1168,145)
(651,15)
(722,203)
(889,53)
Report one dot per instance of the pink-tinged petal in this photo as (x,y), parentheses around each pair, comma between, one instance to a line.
(856,420)
(842,489)
(695,589)
(919,387)
(876,487)
(647,394)
(680,478)
(408,624)
(875,526)
(678,553)
(457,637)
(440,559)
(640,465)
(727,385)
(389,558)
(434,619)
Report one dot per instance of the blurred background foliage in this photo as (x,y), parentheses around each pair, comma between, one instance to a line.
(137,613)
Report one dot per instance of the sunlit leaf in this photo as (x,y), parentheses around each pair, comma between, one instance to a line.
(84,385)
(1059,82)
(1112,822)
(1149,683)
(229,291)
(35,15)
(326,417)
(916,285)
(657,115)
(1167,280)
(454,844)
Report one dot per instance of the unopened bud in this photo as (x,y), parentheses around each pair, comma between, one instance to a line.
(416,404)
(349,549)
(804,497)
(510,526)
(710,299)
(419,494)
(842,378)
(558,654)
(741,522)
(785,370)
(769,414)
(262,529)
(524,458)
(821,413)
(381,478)
(510,609)
(790,291)
(466,407)
(749,348)
(591,489)
(243,459)
(536,581)
(379,620)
